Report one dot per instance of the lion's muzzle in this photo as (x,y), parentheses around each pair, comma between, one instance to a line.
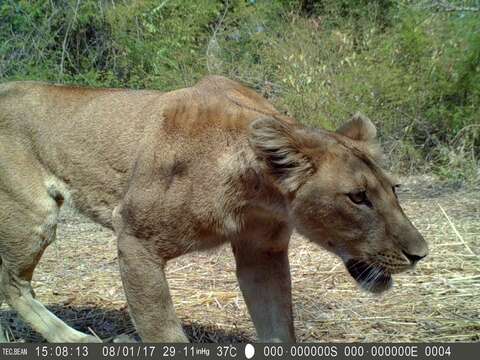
(370,276)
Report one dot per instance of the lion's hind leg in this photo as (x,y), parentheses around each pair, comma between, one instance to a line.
(3,338)
(28,216)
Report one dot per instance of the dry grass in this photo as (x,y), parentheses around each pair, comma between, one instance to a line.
(439,301)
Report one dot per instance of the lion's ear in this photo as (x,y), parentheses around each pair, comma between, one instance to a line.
(359,128)
(284,149)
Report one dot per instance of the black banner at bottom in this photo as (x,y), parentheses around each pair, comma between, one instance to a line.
(339,351)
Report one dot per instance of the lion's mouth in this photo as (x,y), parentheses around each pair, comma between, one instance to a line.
(371,277)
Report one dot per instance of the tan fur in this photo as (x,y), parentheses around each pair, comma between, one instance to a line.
(182,171)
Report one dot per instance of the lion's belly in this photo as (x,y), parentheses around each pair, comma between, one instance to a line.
(89,200)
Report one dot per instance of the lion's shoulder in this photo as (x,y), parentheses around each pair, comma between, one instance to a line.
(234,92)
(216,102)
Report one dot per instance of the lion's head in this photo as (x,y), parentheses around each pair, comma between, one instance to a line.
(340,197)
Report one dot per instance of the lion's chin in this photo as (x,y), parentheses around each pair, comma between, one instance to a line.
(372,278)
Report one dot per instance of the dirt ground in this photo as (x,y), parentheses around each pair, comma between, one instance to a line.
(439,301)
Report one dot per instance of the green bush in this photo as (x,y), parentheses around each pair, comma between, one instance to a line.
(156,44)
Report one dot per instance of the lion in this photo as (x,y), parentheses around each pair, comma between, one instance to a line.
(188,170)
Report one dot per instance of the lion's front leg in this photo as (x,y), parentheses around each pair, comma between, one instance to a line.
(264,278)
(147,292)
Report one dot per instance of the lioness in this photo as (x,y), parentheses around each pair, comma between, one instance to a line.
(188,170)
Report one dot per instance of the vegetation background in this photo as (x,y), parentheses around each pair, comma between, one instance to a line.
(411,66)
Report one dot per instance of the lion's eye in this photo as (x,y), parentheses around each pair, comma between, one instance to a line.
(360,198)
(394,189)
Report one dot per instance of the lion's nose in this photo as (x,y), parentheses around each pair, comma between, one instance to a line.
(413,258)
(413,246)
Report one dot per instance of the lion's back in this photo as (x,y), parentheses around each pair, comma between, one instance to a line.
(90,138)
